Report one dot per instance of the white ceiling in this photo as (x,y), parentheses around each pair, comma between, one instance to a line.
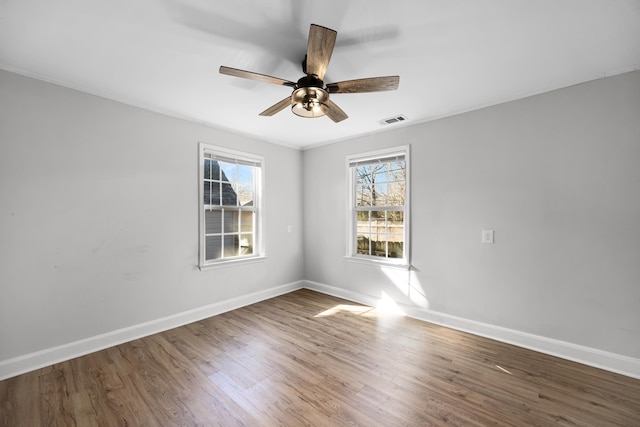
(451,55)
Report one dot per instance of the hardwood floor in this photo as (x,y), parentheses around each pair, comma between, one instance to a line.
(306,358)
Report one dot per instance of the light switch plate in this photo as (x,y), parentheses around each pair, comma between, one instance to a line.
(487,236)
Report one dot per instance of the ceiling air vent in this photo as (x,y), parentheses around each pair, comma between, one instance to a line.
(395,119)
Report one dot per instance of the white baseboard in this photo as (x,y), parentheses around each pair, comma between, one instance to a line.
(39,359)
(624,365)
(617,363)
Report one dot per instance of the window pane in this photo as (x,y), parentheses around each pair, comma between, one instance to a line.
(378,233)
(213,247)
(229,196)
(229,171)
(363,195)
(206,187)
(396,194)
(215,193)
(378,246)
(379,194)
(231,246)
(245,185)
(363,174)
(207,168)
(215,170)
(362,224)
(212,222)
(378,222)
(231,221)
(396,249)
(381,173)
(246,244)
(363,244)
(395,229)
(395,222)
(377,215)
(246,222)
(397,169)
(362,215)
(245,197)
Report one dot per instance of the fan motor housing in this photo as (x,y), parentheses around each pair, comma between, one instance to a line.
(310,80)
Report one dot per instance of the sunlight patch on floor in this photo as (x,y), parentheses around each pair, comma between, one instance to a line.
(503,369)
(386,306)
(354,309)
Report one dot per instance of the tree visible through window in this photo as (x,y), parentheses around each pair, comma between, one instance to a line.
(379,188)
(230,189)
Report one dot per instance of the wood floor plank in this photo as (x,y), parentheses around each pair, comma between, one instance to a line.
(306,358)
(19,405)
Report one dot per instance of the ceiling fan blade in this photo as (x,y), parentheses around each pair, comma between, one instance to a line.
(276,108)
(332,111)
(319,49)
(254,76)
(372,84)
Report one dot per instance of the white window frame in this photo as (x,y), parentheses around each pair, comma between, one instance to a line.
(228,154)
(386,153)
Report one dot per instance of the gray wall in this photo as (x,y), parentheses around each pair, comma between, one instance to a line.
(99,217)
(557,176)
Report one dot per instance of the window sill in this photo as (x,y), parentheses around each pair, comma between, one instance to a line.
(378,263)
(231,263)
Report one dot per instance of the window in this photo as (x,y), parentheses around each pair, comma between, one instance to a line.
(230,192)
(379,205)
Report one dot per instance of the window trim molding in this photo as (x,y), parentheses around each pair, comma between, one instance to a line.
(258,160)
(405,261)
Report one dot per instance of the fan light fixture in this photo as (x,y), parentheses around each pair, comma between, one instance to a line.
(309,102)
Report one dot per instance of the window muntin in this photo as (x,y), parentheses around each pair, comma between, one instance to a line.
(230,189)
(379,206)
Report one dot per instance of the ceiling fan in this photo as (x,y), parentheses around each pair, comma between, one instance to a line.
(310,97)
